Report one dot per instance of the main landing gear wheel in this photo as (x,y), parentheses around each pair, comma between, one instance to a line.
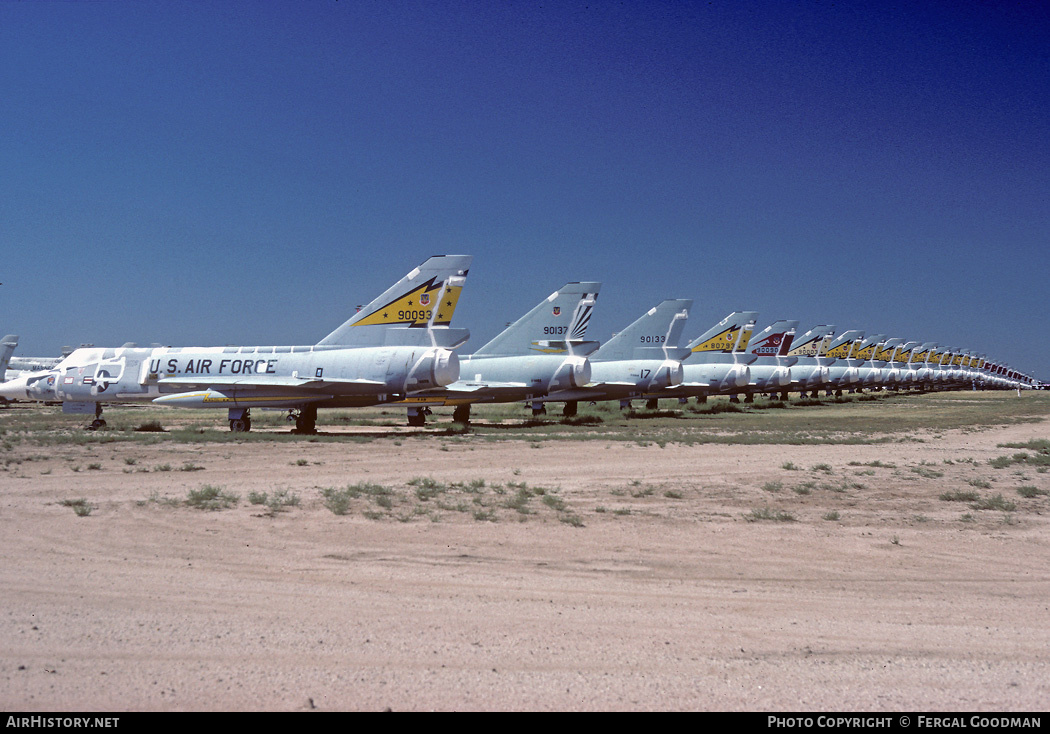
(240,420)
(461,414)
(99,421)
(306,420)
(570,409)
(417,417)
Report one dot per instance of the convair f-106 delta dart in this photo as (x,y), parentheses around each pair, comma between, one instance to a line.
(638,361)
(397,345)
(537,356)
(715,362)
(769,364)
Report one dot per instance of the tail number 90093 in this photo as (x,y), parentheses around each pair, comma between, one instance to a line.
(421,315)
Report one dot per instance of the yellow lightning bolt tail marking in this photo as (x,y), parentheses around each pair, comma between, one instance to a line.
(410,308)
(719,343)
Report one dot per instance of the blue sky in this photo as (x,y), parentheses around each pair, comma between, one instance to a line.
(205,173)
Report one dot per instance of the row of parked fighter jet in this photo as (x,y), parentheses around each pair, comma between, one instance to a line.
(400,350)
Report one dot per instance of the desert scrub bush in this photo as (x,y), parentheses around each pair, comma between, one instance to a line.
(278,501)
(337,500)
(960,495)
(997,502)
(773,486)
(926,472)
(149,427)
(821,467)
(766,513)
(156,499)
(554,502)
(979,483)
(1041,445)
(789,465)
(190,466)
(831,516)
(519,501)
(1040,460)
(474,486)
(81,507)
(210,497)
(426,488)
(1029,491)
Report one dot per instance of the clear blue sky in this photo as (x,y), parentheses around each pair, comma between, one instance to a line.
(206,173)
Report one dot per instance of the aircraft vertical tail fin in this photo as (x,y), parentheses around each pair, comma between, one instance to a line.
(885,350)
(729,335)
(844,346)
(810,343)
(868,345)
(773,341)
(557,325)
(653,336)
(903,353)
(414,311)
(7,348)
(922,352)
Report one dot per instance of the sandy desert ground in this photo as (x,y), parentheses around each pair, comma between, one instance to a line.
(526,572)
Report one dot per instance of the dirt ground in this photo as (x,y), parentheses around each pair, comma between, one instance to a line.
(521,575)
